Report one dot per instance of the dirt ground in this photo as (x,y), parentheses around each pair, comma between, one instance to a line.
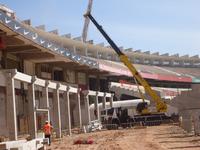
(150,138)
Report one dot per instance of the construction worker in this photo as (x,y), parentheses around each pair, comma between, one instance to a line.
(47,131)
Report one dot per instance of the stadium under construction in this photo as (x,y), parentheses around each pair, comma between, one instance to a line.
(47,76)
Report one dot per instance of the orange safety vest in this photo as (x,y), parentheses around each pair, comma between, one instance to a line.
(47,129)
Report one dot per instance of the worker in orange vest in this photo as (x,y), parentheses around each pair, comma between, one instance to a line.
(47,131)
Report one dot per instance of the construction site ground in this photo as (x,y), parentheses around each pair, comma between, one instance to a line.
(137,138)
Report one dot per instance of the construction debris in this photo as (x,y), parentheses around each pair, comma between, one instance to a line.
(93,126)
(84,141)
(35,144)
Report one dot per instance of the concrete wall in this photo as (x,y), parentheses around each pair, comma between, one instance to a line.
(21,113)
(74,113)
(63,114)
(84,116)
(29,67)
(51,110)
(188,105)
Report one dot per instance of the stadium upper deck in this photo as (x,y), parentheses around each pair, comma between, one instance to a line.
(151,66)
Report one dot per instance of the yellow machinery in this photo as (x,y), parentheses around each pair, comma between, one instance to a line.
(160,104)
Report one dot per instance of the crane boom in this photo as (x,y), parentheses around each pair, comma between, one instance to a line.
(160,104)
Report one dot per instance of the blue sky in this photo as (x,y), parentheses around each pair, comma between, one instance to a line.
(165,26)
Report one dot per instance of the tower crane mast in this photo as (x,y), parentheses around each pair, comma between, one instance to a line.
(87,21)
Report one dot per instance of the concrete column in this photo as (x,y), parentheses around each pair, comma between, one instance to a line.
(79,107)
(74,48)
(111,100)
(87,80)
(98,83)
(87,108)
(68,114)
(118,94)
(57,118)
(104,101)
(45,98)
(4,59)
(86,52)
(97,54)
(97,105)
(11,107)
(32,109)
(186,121)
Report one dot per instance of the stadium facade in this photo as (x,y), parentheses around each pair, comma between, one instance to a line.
(45,76)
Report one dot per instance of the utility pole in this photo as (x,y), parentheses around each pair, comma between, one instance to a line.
(87,21)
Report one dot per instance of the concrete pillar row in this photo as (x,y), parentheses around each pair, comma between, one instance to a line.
(79,107)
(11,107)
(68,114)
(87,107)
(104,101)
(32,109)
(57,117)
(97,105)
